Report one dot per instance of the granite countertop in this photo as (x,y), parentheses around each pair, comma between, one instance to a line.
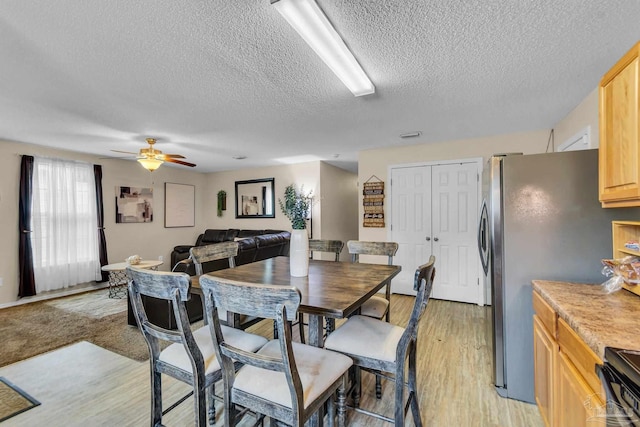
(600,319)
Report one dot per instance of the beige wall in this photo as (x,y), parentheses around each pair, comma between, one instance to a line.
(305,174)
(338,207)
(149,240)
(585,114)
(376,162)
(334,190)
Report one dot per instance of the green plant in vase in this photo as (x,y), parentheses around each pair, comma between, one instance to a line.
(296,205)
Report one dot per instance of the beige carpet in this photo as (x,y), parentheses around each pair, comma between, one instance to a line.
(38,327)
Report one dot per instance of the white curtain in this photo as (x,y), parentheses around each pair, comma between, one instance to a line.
(64,224)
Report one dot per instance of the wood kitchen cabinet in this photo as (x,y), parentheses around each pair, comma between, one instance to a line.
(576,405)
(619,162)
(567,390)
(544,354)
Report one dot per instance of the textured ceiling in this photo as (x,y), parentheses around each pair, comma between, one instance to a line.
(221,78)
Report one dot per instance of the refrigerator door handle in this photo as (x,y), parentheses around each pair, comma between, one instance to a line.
(483,237)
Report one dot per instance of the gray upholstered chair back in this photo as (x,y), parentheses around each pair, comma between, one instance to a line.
(331,246)
(358,247)
(217,251)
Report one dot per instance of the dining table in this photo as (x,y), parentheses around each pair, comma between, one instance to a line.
(331,290)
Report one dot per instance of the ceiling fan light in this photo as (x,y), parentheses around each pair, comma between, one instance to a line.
(306,17)
(150,164)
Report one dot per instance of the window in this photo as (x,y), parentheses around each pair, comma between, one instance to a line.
(64,224)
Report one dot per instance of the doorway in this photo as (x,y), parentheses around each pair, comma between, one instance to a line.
(434,210)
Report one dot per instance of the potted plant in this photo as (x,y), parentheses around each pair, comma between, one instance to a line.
(222,202)
(296,206)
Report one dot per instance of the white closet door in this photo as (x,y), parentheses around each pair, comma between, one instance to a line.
(454,221)
(411,216)
(434,210)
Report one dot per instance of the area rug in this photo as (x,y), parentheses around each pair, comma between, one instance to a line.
(13,400)
(35,328)
(96,304)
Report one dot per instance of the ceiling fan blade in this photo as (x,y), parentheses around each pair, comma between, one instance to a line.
(125,152)
(180,162)
(116,158)
(161,156)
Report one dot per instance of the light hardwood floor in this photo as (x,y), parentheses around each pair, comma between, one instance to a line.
(85,385)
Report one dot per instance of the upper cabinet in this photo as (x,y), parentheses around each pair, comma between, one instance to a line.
(619,165)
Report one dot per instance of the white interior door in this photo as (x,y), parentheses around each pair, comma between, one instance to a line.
(411,217)
(454,222)
(434,210)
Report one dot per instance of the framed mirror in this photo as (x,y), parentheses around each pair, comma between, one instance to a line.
(255,198)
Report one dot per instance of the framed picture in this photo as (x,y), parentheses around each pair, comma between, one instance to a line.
(134,204)
(255,198)
(179,205)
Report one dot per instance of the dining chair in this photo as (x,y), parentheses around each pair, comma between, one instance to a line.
(318,245)
(331,246)
(285,380)
(200,256)
(190,357)
(376,306)
(383,348)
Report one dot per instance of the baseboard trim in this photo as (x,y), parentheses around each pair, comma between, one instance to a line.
(78,289)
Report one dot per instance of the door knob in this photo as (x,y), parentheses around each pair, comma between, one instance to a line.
(428,239)
(435,239)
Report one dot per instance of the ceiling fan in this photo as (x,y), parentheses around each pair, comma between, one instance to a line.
(151,159)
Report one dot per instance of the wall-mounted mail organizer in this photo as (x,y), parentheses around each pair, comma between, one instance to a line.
(373,202)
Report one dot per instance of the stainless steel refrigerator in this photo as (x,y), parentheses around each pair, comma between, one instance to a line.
(540,219)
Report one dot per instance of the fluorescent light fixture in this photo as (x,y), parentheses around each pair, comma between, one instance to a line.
(306,17)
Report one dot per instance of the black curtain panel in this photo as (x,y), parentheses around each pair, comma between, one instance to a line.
(102,241)
(27,286)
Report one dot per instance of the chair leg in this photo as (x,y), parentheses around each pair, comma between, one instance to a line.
(413,387)
(331,410)
(229,408)
(331,325)
(212,404)
(399,393)
(378,387)
(342,402)
(357,384)
(156,397)
(200,402)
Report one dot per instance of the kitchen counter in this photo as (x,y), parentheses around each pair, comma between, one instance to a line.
(600,319)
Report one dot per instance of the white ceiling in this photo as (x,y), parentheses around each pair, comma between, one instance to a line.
(220,78)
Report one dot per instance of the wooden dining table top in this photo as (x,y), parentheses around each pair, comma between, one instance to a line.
(332,289)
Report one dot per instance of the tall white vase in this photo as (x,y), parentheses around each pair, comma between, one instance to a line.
(299,253)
